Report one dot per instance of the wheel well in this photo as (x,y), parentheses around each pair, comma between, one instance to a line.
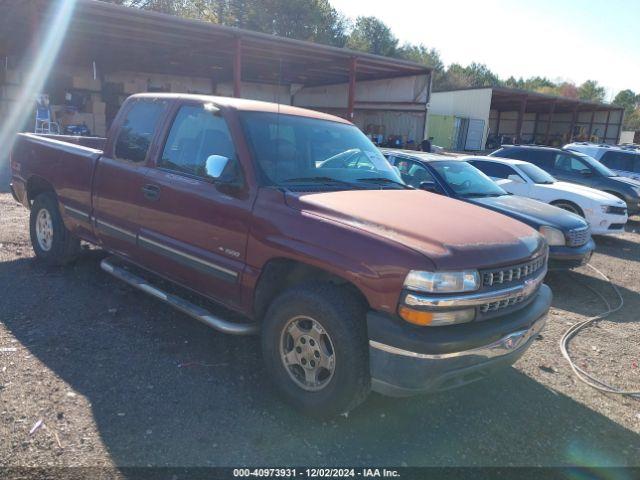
(569,202)
(281,273)
(36,186)
(615,194)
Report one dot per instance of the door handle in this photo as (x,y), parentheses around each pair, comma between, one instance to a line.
(152,192)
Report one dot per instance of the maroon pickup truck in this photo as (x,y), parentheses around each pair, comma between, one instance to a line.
(295,222)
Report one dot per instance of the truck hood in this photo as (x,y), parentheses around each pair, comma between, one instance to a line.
(531,212)
(598,196)
(452,234)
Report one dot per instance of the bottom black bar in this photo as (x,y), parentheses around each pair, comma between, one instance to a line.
(215,473)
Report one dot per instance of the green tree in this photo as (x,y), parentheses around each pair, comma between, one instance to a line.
(591,91)
(628,100)
(312,20)
(632,121)
(371,35)
(421,54)
(473,75)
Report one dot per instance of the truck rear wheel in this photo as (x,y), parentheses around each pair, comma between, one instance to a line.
(315,349)
(51,241)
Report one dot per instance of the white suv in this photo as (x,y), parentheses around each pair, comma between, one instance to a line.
(625,161)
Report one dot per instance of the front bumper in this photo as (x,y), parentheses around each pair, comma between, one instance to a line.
(406,360)
(607,223)
(570,257)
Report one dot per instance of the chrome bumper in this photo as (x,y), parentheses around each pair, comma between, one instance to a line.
(505,346)
(406,360)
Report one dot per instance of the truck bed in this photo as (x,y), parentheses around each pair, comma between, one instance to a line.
(64,162)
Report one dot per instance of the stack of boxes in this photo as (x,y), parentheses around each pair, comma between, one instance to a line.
(9,91)
(92,111)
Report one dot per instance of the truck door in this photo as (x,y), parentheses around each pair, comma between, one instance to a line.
(119,186)
(195,231)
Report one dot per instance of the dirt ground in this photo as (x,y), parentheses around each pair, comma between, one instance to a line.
(102,375)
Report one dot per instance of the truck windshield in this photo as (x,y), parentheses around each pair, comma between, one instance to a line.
(466,180)
(293,150)
(536,174)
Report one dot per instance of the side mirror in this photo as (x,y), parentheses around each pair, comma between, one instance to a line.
(430,187)
(515,178)
(215,165)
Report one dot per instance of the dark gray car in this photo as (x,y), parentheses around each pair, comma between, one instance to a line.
(578,168)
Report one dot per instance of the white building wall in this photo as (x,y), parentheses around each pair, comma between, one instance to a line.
(473,104)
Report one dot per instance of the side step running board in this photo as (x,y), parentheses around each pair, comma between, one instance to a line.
(181,304)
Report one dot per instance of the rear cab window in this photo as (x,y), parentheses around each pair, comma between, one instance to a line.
(138,128)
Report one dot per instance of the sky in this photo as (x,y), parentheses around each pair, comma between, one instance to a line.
(574,40)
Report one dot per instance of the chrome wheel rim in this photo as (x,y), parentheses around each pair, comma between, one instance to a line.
(307,353)
(44,229)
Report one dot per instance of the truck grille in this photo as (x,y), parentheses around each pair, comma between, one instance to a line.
(513,273)
(507,302)
(578,237)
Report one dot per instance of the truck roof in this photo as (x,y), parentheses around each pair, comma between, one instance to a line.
(245,105)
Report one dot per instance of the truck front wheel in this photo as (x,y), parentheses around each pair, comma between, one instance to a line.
(51,241)
(315,348)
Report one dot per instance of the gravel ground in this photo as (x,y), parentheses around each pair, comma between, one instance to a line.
(114,378)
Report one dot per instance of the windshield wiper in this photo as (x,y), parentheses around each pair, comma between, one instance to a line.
(385,180)
(480,195)
(320,179)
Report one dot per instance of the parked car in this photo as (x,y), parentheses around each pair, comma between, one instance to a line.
(331,266)
(605,213)
(568,235)
(578,168)
(624,161)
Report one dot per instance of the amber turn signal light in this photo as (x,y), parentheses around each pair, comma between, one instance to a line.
(416,317)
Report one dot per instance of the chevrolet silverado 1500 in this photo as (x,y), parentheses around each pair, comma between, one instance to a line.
(353,279)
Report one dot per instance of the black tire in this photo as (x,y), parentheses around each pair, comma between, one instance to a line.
(343,318)
(568,206)
(65,247)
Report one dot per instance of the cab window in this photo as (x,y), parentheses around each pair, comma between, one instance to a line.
(197,133)
(138,127)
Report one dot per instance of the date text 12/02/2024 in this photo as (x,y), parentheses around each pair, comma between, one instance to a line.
(316,472)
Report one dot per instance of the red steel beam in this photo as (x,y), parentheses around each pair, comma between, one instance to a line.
(574,119)
(593,116)
(523,107)
(237,68)
(353,64)
(552,110)
(606,126)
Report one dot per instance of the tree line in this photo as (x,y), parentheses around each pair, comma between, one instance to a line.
(318,21)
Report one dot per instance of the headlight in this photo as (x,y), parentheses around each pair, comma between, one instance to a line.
(443,282)
(553,236)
